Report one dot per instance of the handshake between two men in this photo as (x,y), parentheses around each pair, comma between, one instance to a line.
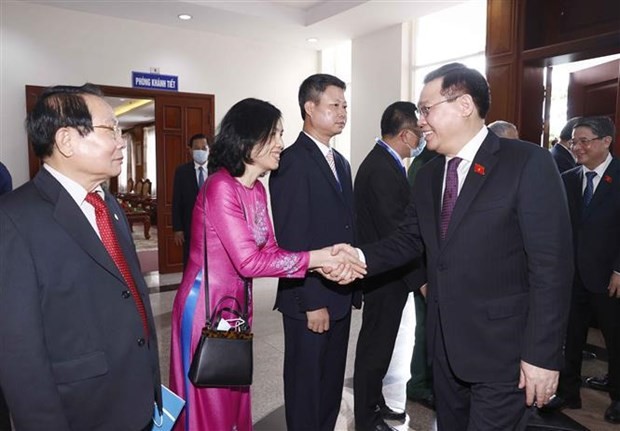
(339,263)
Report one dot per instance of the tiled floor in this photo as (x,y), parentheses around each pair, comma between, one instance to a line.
(267,391)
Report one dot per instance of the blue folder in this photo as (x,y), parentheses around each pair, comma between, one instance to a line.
(172,405)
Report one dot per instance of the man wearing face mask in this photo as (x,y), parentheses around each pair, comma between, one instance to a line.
(188,179)
(381,195)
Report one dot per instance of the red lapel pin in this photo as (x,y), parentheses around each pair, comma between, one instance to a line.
(479,169)
(607,179)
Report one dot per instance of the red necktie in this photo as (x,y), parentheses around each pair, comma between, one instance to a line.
(110,242)
(450,194)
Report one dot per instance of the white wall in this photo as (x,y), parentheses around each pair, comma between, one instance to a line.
(42,45)
(380,76)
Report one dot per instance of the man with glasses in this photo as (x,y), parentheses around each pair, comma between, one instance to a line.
(79,350)
(381,195)
(492,217)
(593,191)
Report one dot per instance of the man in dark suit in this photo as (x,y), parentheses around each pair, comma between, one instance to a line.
(381,196)
(312,204)
(420,385)
(593,192)
(6,182)
(188,178)
(561,152)
(79,350)
(6,185)
(492,216)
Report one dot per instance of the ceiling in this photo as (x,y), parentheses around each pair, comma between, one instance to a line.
(290,22)
(283,22)
(130,112)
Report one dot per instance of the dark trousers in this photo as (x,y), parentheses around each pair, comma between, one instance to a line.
(381,315)
(421,382)
(314,366)
(5,418)
(606,310)
(479,406)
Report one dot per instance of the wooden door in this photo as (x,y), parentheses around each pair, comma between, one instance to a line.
(595,91)
(177,118)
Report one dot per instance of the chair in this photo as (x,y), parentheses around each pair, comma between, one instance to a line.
(138,189)
(129,185)
(146,187)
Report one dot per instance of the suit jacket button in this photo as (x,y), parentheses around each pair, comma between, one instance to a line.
(347,227)
(126,294)
(141,342)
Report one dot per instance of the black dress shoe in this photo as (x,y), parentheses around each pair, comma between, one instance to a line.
(559,403)
(588,355)
(382,426)
(427,401)
(392,415)
(612,414)
(600,383)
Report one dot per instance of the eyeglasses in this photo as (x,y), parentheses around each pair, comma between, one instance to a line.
(118,132)
(584,142)
(425,110)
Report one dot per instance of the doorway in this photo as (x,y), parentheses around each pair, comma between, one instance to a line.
(178,116)
(583,88)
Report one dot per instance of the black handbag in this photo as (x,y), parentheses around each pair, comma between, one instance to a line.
(223,358)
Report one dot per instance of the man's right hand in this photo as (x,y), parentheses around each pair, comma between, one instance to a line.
(179,238)
(318,320)
(348,273)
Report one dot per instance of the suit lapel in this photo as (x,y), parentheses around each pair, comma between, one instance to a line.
(71,218)
(346,182)
(317,156)
(604,187)
(125,241)
(391,161)
(481,167)
(573,193)
(436,190)
(193,178)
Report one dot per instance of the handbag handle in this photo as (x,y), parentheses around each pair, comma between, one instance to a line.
(235,310)
(205,271)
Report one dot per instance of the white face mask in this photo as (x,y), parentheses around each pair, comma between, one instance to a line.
(200,156)
(415,152)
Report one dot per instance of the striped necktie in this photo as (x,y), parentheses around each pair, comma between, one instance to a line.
(332,164)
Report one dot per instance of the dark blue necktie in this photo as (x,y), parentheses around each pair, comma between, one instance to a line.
(201,177)
(589,191)
(450,194)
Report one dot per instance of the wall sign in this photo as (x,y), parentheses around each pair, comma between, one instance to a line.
(154,81)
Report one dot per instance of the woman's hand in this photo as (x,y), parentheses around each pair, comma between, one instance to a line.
(341,266)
